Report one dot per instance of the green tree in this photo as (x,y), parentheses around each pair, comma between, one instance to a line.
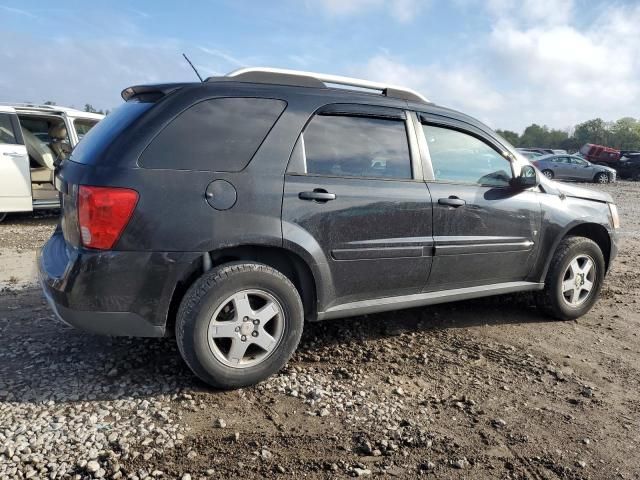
(534,136)
(625,134)
(512,137)
(592,131)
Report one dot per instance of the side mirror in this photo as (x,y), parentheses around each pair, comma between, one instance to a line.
(528,178)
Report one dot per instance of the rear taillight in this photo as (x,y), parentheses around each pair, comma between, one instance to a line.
(103,212)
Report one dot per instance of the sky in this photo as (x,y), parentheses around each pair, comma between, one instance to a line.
(509,63)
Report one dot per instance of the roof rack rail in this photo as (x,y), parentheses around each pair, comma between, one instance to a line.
(311,79)
(29,105)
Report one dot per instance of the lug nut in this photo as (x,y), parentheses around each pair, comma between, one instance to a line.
(244,338)
(245,319)
(255,334)
(256,322)
(237,329)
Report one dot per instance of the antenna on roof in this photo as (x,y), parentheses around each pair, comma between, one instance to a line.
(194,68)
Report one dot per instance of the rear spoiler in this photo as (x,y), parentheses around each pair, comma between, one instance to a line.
(151,92)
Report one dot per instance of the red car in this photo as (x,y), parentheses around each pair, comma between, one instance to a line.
(600,154)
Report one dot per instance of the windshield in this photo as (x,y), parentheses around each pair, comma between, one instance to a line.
(101,136)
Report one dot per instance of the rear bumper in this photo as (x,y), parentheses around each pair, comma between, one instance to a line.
(112,293)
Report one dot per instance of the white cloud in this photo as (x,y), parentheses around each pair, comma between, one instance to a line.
(460,87)
(72,72)
(534,66)
(533,12)
(401,10)
(571,74)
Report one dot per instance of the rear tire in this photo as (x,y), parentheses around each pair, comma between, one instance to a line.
(574,279)
(548,173)
(601,178)
(223,332)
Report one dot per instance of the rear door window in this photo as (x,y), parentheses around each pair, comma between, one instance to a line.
(221,134)
(352,146)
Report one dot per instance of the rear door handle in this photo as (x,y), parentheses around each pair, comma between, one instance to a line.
(452,201)
(318,195)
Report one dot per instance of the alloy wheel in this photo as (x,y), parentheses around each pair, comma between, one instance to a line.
(246,328)
(578,280)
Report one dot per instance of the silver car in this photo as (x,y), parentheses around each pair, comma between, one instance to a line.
(572,167)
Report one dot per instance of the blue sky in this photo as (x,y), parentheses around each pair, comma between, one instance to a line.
(507,62)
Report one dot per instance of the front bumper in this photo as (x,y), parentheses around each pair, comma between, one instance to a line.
(112,292)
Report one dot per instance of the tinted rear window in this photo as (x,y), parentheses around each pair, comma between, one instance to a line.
(100,136)
(221,134)
(357,147)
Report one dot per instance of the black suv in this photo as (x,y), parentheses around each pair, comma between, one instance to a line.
(231,211)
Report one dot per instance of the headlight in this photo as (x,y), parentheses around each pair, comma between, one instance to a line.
(615,218)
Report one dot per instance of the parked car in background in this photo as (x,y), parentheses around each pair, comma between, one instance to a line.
(575,168)
(233,210)
(629,167)
(541,151)
(559,151)
(629,154)
(33,140)
(528,154)
(599,154)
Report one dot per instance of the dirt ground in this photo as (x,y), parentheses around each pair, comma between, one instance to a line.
(480,389)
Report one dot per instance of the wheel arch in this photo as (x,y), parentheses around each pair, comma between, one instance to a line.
(289,263)
(593,231)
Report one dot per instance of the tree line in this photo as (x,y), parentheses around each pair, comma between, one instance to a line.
(87,108)
(623,134)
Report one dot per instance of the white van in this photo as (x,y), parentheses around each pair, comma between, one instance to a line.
(33,140)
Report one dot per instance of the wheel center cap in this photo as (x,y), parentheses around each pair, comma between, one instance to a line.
(246,328)
(579,280)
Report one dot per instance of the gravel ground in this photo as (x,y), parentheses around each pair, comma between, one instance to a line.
(481,389)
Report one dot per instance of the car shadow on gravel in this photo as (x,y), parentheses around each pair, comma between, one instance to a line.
(499,310)
(41,360)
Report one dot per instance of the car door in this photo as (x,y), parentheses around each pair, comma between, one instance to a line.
(583,170)
(561,167)
(354,194)
(15,178)
(485,231)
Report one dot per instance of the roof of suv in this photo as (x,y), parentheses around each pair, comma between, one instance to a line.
(320,83)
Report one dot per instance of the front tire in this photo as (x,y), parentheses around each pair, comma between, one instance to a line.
(238,324)
(574,279)
(548,173)
(2,217)
(601,178)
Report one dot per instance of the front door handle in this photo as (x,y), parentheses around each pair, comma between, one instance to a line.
(318,195)
(13,154)
(452,201)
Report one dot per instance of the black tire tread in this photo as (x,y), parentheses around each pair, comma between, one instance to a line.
(544,298)
(196,293)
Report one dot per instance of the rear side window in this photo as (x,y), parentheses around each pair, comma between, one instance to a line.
(221,134)
(7,135)
(100,136)
(357,147)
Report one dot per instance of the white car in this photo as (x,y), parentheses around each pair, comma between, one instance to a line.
(33,140)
